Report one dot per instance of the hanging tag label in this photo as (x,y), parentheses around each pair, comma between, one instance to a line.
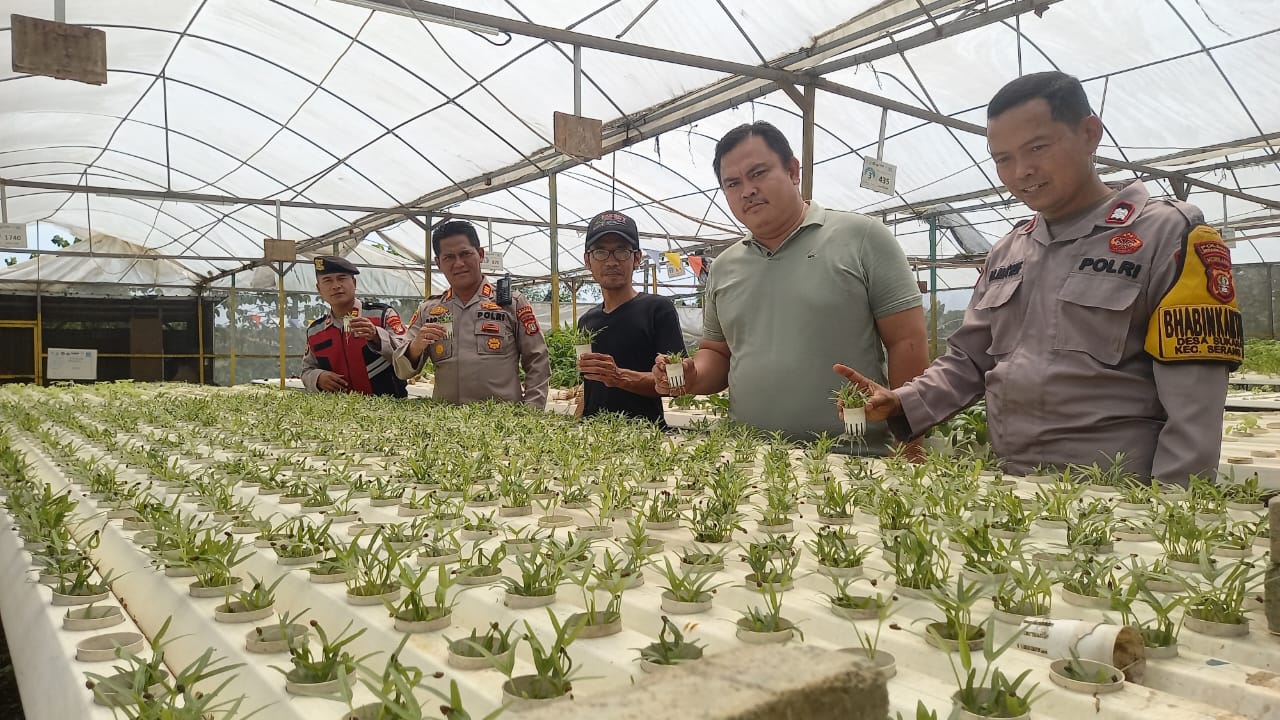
(13,235)
(878,175)
(492,263)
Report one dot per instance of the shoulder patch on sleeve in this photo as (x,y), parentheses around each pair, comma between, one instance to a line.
(392,321)
(528,320)
(1199,318)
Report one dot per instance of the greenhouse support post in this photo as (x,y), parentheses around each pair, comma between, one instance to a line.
(933,287)
(555,252)
(4,204)
(200,333)
(279,234)
(426,257)
(232,329)
(806,151)
(281,303)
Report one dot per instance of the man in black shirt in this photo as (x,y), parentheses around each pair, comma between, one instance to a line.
(632,326)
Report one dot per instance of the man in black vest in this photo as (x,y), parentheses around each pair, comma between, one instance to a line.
(349,349)
(632,327)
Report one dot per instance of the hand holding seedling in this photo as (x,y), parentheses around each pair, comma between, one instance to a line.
(427,334)
(599,367)
(363,327)
(661,376)
(881,402)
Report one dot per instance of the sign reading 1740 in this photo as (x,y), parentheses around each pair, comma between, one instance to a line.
(13,235)
(878,175)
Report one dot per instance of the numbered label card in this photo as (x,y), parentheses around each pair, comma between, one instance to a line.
(879,175)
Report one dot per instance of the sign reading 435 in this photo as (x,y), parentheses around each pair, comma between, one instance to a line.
(878,175)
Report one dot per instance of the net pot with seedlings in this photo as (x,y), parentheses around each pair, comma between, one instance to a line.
(670,650)
(674,364)
(851,401)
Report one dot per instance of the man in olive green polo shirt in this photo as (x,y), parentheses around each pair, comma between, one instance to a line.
(805,287)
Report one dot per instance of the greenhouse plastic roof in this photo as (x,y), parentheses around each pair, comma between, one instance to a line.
(320,101)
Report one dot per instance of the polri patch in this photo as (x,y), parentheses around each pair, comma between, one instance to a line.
(394,323)
(494,343)
(528,319)
(1217,269)
(1126,243)
(1120,213)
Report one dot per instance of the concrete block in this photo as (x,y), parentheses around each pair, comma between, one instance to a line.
(756,683)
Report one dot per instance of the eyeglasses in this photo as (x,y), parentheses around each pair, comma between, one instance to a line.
(619,254)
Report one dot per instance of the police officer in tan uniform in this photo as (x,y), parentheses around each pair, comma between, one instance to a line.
(1107,323)
(477,345)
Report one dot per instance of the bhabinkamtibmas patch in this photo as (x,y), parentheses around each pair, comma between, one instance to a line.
(1199,318)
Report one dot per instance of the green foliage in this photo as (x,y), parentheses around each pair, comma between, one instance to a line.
(850,396)
(1261,356)
(671,648)
(564,359)
(310,668)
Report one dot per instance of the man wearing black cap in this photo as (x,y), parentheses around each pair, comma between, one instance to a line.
(632,327)
(350,347)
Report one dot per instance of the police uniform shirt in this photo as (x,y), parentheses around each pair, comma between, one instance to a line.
(366,369)
(483,357)
(1113,333)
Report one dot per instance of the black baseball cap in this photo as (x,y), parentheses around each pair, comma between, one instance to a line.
(612,221)
(332,265)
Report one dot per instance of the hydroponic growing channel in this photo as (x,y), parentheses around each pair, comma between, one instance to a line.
(240,522)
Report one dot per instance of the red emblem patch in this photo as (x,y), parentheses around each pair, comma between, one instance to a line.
(1120,213)
(1125,243)
(1217,269)
(528,319)
(1221,286)
(393,322)
(491,328)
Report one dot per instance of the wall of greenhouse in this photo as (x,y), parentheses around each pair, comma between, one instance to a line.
(1256,290)
(147,338)
(141,338)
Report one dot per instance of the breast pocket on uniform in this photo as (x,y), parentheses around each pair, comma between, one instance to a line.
(1094,315)
(440,349)
(493,338)
(1003,313)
